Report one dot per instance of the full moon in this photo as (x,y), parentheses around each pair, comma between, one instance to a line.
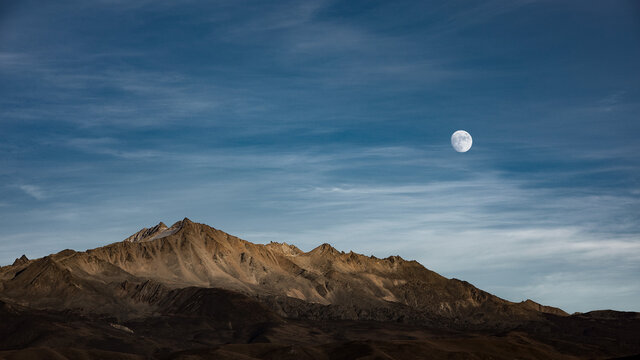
(461,141)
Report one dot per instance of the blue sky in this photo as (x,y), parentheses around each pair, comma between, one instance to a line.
(330,121)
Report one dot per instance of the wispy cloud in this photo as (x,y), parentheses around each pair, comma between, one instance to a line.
(11,60)
(470,16)
(610,102)
(34,191)
(276,16)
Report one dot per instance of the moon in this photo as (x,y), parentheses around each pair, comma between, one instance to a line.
(461,141)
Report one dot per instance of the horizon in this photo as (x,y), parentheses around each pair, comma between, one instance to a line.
(311,122)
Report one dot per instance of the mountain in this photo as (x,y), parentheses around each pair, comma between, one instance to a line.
(189,254)
(218,289)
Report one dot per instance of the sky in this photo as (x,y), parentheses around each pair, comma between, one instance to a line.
(330,121)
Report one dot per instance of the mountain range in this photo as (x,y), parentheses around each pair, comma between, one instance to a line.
(190,291)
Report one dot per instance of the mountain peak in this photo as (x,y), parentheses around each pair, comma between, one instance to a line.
(394,258)
(285,248)
(182,223)
(21,260)
(530,304)
(159,231)
(324,249)
(147,234)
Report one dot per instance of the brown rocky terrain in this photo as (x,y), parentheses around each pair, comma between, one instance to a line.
(192,291)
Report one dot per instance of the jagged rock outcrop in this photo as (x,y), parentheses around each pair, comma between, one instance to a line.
(21,260)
